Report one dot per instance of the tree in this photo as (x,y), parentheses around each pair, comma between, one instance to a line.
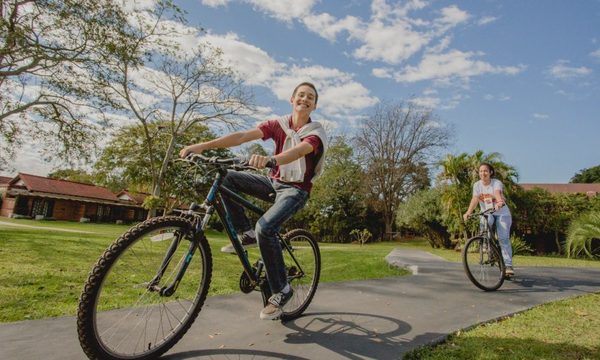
(587,176)
(43,44)
(125,163)
(422,212)
(173,87)
(76,175)
(395,142)
(337,202)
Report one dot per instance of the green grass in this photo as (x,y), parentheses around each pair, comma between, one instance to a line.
(42,271)
(566,329)
(518,260)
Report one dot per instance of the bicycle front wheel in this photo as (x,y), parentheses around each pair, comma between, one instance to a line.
(303,265)
(483,263)
(133,306)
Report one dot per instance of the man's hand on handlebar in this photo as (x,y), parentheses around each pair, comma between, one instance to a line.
(191,149)
(260,162)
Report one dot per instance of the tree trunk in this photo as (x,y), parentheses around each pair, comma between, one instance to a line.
(556,240)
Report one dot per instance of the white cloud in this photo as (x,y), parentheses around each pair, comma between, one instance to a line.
(563,71)
(426,102)
(254,64)
(453,64)
(500,97)
(329,27)
(486,20)
(452,16)
(214,3)
(541,116)
(595,54)
(389,43)
(384,73)
(284,10)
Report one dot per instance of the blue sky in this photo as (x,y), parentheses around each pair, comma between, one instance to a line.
(521,78)
(516,77)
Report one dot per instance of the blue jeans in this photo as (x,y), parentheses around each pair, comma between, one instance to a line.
(288,200)
(503,223)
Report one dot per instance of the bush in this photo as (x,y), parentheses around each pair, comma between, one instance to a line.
(519,246)
(583,235)
(422,213)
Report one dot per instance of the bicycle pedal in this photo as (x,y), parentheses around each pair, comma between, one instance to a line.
(246,285)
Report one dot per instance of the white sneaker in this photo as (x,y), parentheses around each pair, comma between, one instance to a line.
(274,308)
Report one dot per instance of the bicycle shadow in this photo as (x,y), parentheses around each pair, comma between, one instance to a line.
(356,335)
(553,280)
(229,353)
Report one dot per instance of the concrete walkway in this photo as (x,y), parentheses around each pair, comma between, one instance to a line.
(375,319)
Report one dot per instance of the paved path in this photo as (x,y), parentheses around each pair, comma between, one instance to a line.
(375,319)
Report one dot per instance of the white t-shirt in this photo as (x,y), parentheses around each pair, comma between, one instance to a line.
(485,194)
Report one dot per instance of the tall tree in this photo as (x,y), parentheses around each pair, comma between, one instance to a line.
(587,176)
(43,44)
(394,143)
(337,203)
(174,86)
(125,162)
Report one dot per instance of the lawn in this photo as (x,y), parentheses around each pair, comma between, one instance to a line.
(42,271)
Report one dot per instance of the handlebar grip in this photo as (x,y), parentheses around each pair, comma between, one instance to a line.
(271,163)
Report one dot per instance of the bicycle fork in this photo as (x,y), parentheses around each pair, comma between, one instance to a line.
(170,289)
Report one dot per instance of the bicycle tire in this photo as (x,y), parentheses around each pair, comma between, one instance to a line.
(483,263)
(303,266)
(117,304)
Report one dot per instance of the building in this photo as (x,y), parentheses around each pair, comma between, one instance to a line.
(39,197)
(588,189)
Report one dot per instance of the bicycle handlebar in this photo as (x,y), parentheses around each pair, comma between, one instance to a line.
(482,213)
(237,163)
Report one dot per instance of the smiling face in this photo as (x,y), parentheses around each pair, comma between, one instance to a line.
(304,99)
(484,173)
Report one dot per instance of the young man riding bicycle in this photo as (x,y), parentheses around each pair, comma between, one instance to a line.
(300,145)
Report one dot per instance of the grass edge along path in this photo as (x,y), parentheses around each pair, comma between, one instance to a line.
(562,329)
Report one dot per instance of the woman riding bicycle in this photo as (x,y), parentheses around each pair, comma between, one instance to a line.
(300,145)
(489,193)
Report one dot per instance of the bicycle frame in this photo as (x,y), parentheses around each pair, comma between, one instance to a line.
(214,201)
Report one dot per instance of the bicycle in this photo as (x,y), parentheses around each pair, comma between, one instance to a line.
(147,288)
(482,257)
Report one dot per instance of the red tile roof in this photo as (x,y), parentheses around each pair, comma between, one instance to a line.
(136,197)
(63,187)
(565,188)
(4,180)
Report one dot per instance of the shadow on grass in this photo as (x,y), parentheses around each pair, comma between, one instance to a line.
(502,348)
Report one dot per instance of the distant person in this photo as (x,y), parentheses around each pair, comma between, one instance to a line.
(489,193)
(300,145)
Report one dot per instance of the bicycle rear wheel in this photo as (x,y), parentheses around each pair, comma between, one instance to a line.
(303,265)
(483,263)
(124,312)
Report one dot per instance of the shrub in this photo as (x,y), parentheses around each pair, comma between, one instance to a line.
(581,235)
(362,236)
(519,246)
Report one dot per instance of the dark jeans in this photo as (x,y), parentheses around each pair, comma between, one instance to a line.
(288,201)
